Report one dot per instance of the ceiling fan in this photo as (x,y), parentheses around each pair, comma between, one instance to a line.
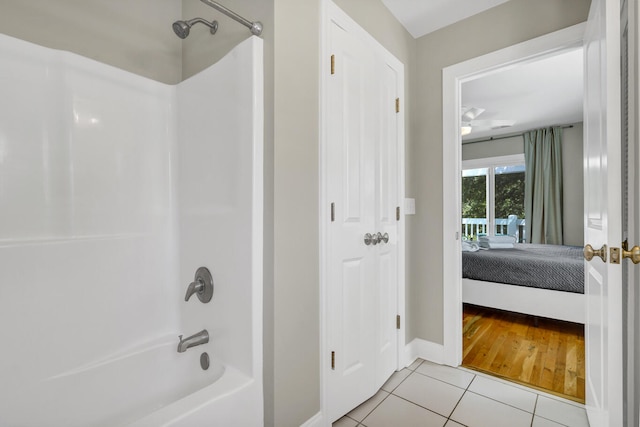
(468,121)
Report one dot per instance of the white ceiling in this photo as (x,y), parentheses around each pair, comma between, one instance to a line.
(421,17)
(542,93)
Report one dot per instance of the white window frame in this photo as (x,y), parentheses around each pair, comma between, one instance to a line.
(490,163)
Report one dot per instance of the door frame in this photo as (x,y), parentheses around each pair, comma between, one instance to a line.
(330,11)
(453,76)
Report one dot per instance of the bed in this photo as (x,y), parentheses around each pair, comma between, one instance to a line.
(540,280)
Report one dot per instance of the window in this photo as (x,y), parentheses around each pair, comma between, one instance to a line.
(493,197)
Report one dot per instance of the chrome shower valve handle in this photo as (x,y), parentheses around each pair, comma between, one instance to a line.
(202,286)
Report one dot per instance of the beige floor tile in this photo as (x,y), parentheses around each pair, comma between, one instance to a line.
(504,393)
(430,393)
(543,422)
(560,412)
(395,379)
(345,422)
(397,412)
(479,411)
(415,364)
(456,377)
(363,410)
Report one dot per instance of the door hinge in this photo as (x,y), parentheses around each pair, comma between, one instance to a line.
(398,321)
(333,360)
(333,211)
(333,64)
(397,105)
(398,213)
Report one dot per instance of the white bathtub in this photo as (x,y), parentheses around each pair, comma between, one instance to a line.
(114,189)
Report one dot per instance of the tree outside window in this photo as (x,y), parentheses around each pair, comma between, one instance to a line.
(490,195)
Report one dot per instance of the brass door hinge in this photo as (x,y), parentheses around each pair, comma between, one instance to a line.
(398,321)
(333,360)
(333,64)
(397,105)
(333,211)
(398,213)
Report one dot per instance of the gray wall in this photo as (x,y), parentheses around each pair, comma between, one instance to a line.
(573,217)
(296,304)
(573,182)
(133,35)
(510,23)
(297,376)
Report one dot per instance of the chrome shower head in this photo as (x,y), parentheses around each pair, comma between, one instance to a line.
(182,28)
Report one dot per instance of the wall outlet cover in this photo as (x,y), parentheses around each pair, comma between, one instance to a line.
(409,206)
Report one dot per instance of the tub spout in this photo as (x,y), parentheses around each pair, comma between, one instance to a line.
(200,338)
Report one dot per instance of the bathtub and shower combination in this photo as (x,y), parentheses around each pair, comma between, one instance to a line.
(118,195)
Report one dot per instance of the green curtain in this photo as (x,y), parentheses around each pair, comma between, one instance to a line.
(543,185)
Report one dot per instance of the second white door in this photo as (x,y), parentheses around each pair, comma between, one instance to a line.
(363,185)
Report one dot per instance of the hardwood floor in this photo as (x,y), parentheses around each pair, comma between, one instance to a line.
(548,355)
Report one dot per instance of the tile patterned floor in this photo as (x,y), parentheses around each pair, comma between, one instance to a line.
(430,395)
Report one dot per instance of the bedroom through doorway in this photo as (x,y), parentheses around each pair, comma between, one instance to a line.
(523,291)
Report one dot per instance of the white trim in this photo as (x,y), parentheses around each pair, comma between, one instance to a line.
(324,214)
(488,162)
(427,350)
(316,421)
(452,78)
(329,11)
(568,306)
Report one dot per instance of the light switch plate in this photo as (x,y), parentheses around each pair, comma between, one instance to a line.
(409,206)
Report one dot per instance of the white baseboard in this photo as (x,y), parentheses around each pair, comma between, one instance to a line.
(424,349)
(315,421)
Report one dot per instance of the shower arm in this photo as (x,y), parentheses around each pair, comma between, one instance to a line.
(255,27)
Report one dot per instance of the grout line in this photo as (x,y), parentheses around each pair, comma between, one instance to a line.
(442,381)
(459,400)
(403,380)
(454,408)
(520,386)
(534,409)
(419,364)
(420,406)
(504,403)
(375,407)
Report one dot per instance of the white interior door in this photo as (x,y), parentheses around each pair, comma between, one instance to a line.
(387,200)
(363,184)
(602,151)
(351,290)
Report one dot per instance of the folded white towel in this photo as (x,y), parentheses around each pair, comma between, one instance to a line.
(497,239)
(491,245)
(469,246)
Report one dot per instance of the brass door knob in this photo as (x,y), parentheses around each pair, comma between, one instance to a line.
(634,254)
(589,252)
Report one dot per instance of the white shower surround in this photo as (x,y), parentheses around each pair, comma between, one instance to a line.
(114,189)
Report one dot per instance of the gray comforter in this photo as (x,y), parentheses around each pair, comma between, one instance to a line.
(554,267)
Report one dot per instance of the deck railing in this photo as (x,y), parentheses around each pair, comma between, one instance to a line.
(473,227)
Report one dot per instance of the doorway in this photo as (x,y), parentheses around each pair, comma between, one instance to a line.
(509,330)
(453,79)
(600,36)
